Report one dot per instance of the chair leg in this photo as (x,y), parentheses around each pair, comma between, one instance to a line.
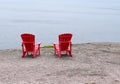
(38,51)
(55,51)
(34,54)
(59,54)
(70,53)
(23,54)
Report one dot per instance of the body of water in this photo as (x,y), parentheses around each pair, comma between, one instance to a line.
(87,20)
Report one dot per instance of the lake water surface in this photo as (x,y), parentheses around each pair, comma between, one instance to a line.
(87,20)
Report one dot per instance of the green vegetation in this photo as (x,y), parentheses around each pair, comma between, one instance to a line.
(48,46)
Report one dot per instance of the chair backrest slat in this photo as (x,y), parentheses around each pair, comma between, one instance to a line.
(64,41)
(28,41)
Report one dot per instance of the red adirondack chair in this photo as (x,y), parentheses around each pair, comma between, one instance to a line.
(29,46)
(64,44)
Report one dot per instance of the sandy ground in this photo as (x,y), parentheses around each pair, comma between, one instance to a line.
(92,63)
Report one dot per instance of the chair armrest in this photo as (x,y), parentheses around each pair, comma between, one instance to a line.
(38,44)
(54,43)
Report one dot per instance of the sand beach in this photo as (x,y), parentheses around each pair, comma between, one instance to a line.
(92,63)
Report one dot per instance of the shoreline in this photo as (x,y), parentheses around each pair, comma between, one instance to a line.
(51,46)
(92,63)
